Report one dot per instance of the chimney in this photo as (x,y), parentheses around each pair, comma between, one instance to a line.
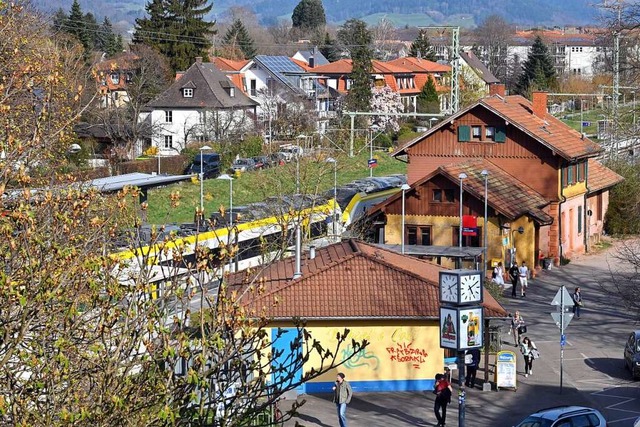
(312,252)
(198,59)
(497,89)
(539,104)
(179,74)
(312,61)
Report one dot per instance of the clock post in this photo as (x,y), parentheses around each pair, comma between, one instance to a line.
(461,320)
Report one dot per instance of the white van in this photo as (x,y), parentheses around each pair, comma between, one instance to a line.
(290,151)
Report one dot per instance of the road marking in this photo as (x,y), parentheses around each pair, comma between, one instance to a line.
(623,400)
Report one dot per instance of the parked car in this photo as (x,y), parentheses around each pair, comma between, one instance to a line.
(565,416)
(277,159)
(243,165)
(632,354)
(210,165)
(290,151)
(262,162)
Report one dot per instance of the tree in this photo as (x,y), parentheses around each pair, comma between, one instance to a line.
(387,101)
(383,33)
(106,40)
(493,37)
(538,71)
(87,338)
(81,26)
(357,39)
(428,101)
(422,48)
(329,48)
(237,38)
(623,214)
(177,29)
(309,15)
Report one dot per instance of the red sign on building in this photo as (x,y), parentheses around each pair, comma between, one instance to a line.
(469,225)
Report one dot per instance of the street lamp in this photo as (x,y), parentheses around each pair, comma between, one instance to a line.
(229,178)
(335,193)
(461,176)
(485,174)
(581,117)
(634,107)
(206,147)
(404,189)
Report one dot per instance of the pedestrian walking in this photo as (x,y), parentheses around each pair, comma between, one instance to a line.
(518,327)
(443,391)
(523,275)
(513,274)
(472,360)
(498,276)
(342,394)
(577,302)
(530,352)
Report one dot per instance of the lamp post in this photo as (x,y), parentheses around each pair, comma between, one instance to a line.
(335,194)
(485,174)
(581,117)
(634,107)
(459,259)
(404,189)
(230,179)
(206,147)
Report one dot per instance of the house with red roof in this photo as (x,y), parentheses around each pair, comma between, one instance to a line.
(114,75)
(546,192)
(388,299)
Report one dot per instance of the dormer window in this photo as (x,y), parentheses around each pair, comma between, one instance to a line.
(115,78)
(232,92)
(187,92)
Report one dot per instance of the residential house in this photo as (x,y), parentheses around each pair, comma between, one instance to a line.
(202,104)
(113,77)
(476,77)
(423,69)
(388,299)
(534,160)
(311,57)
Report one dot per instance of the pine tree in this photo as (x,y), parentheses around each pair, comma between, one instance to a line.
(107,40)
(60,19)
(428,101)
(358,38)
(80,26)
(309,15)
(329,48)
(177,29)
(238,38)
(421,47)
(538,71)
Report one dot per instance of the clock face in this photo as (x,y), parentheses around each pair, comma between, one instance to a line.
(470,288)
(449,287)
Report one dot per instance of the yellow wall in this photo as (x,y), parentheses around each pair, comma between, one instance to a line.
(442,235)
(400,356)
(574,190)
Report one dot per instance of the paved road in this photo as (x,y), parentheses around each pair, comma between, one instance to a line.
(593,373)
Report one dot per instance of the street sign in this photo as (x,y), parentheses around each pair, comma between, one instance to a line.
(563,340)
(557,300)
(566,319)
(372,163)
(585,124)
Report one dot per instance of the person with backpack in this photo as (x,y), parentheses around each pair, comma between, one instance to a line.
(443,391)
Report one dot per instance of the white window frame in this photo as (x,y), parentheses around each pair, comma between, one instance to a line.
(187,92)
(168,141)
(168,116)
(115,78)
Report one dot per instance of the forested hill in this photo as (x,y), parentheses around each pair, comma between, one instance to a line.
(466,13)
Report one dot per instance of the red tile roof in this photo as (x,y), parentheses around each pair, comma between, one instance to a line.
(341,66)
(505,193)
(518,111)
(302,64)
(350,279)
(418,65)
(600,176)
(225,64)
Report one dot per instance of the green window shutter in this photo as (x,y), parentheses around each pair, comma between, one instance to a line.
(501,134)
(464,133)
(564,177)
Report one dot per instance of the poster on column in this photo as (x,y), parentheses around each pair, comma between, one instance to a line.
(448,328)
(470,328)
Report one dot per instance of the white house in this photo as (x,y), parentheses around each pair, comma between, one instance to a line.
(202,104)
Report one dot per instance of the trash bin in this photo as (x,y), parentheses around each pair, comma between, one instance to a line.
(546,263)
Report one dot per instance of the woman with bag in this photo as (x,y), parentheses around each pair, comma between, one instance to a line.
(498,276)
(517,327)
(577,302)
(530,352)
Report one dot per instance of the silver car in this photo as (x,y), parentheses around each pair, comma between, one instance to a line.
(565,416)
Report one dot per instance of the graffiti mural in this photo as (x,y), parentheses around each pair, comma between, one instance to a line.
(406,353)
(364,358)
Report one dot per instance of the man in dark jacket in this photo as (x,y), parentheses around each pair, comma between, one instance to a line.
(513,274)
(472,360)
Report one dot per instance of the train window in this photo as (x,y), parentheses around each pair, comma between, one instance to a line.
(318,229)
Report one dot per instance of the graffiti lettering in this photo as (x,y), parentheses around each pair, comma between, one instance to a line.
(400,335)
(405,353)
(361,358)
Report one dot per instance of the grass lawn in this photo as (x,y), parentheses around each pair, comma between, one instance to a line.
(316,176)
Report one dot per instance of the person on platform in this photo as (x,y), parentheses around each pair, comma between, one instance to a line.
(472,362)
(513,275)
(523,277)
(498,276)
(443,391)
(342,394)
(577,302)
(529,351)
(517,328)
